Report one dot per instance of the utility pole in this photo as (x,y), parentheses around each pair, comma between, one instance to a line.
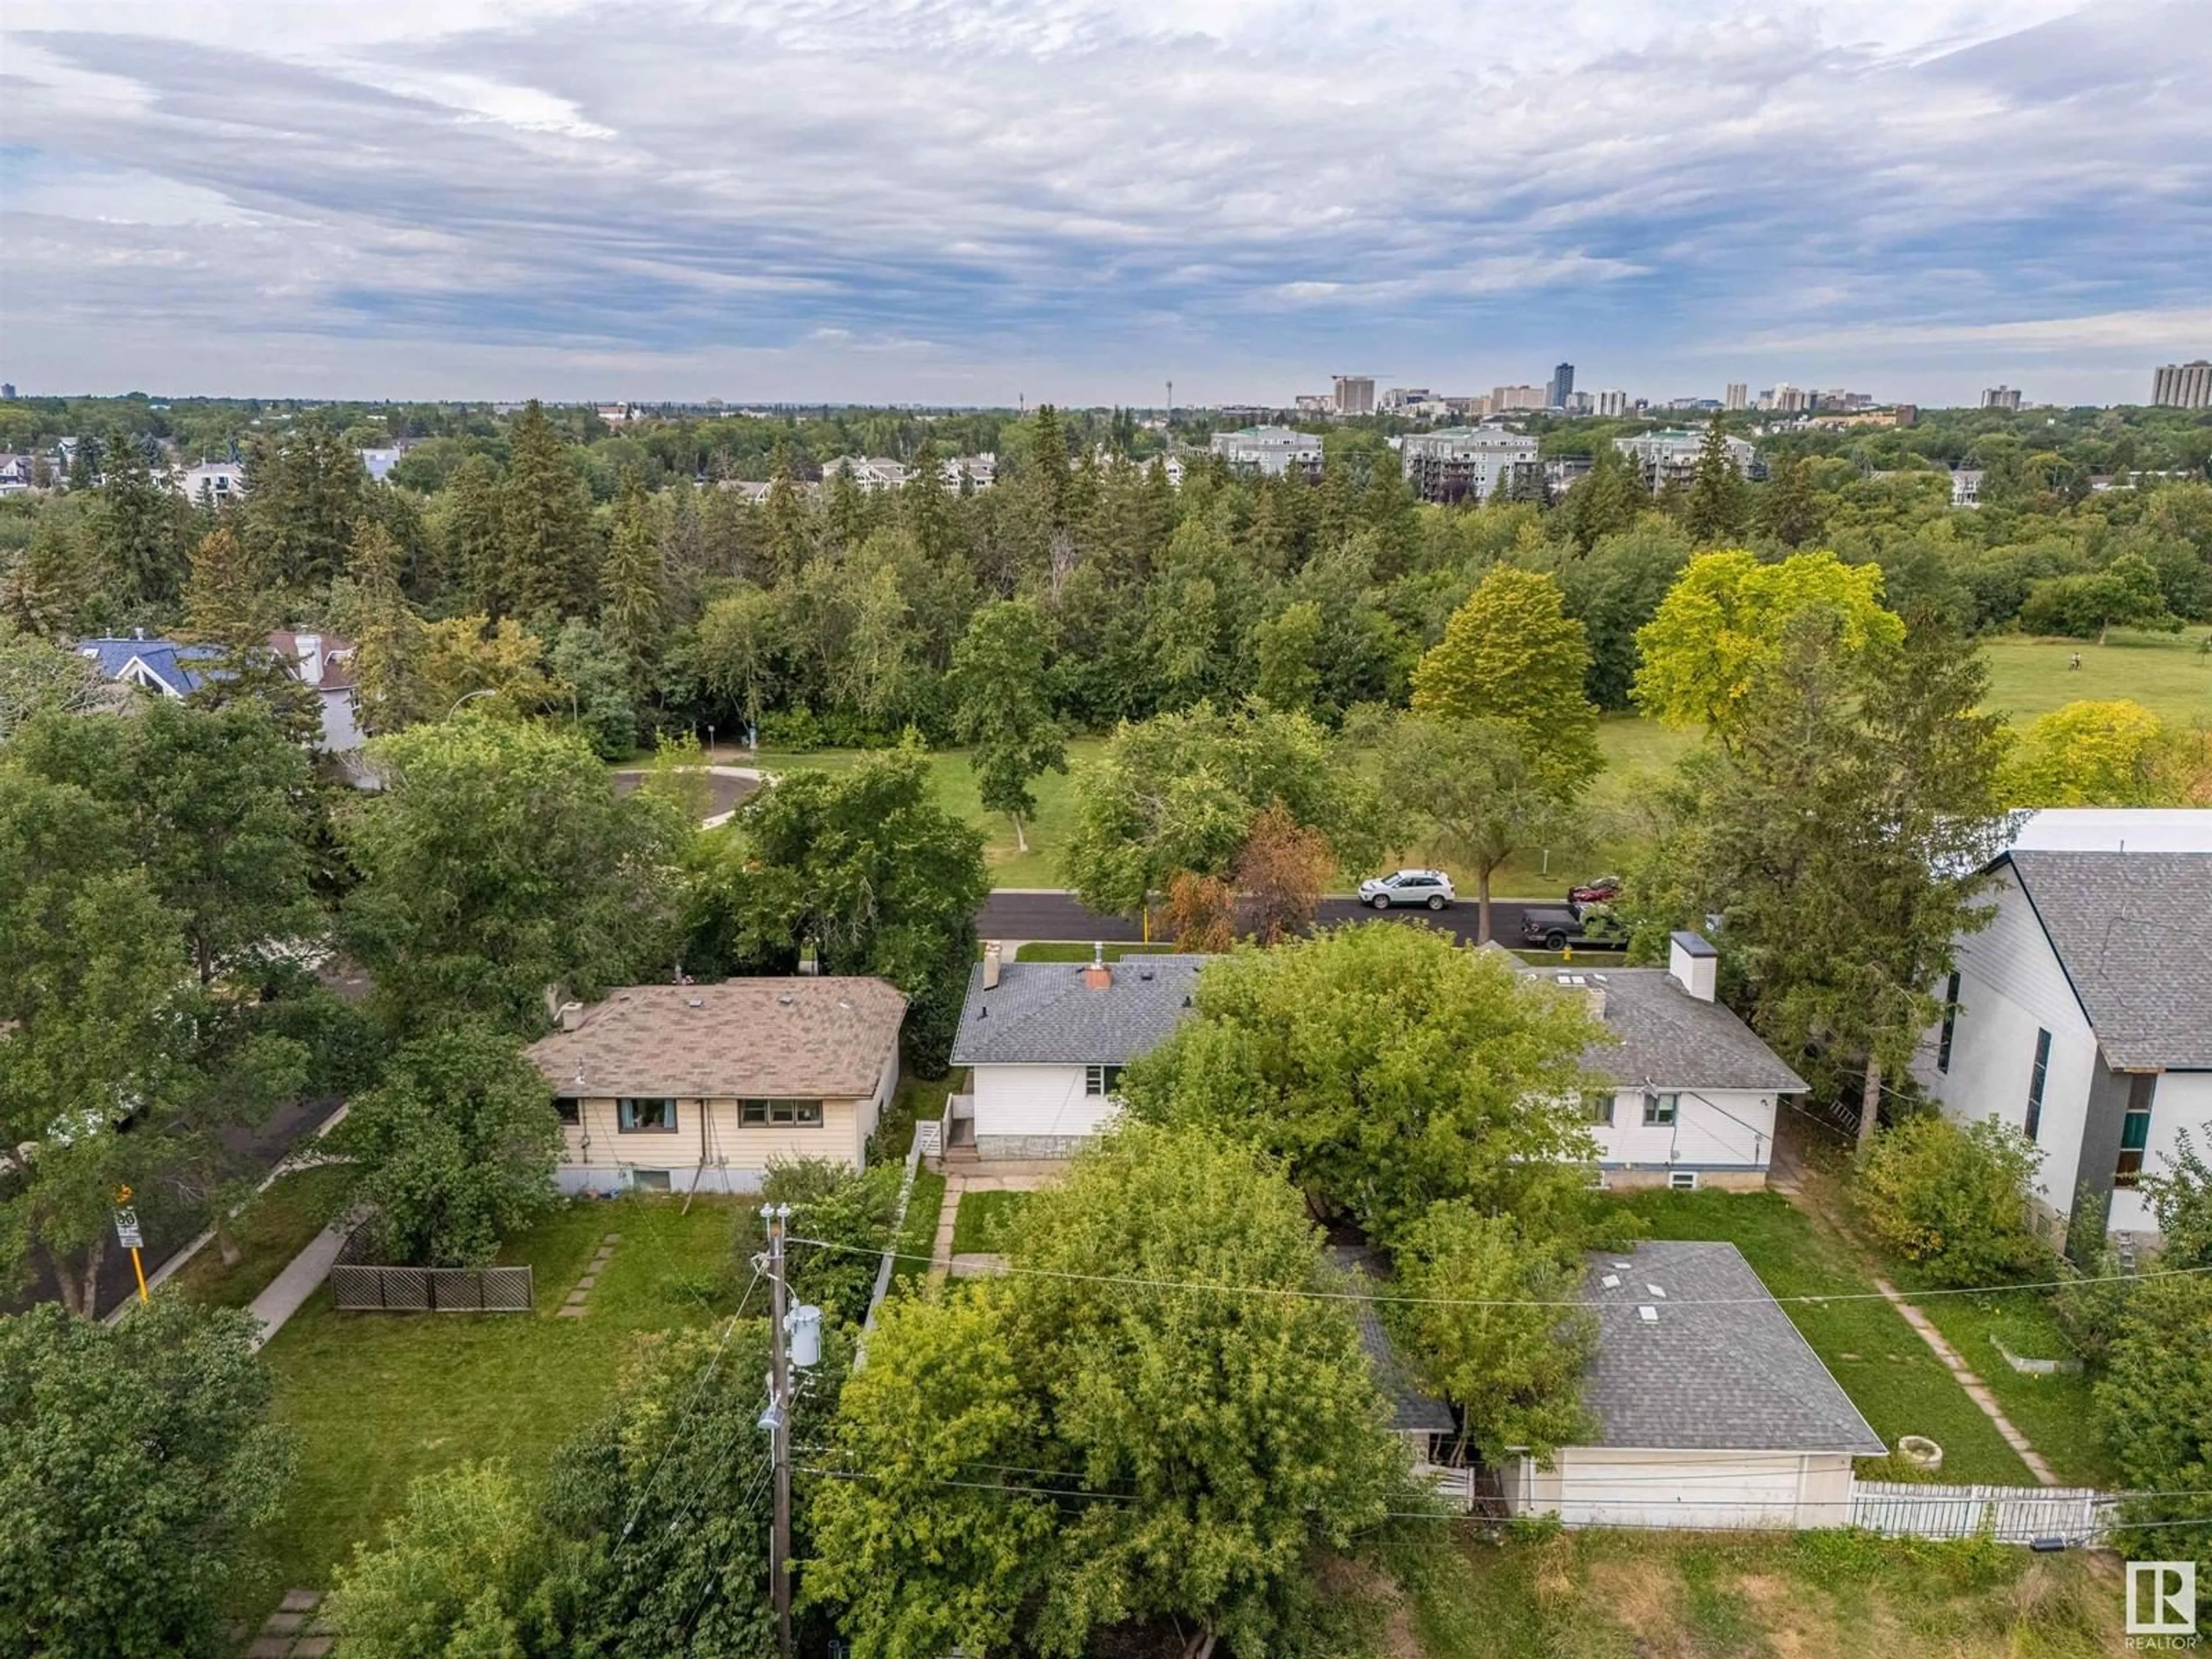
(779,1390)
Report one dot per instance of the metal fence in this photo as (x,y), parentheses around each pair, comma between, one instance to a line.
(2013,1514)
(433,1289)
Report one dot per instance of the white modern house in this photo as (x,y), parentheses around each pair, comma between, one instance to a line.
(1046,1042)
(1695,1090)
(1711,1411)
(2082,1014)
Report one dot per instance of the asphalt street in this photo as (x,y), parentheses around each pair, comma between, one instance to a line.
(1056,915)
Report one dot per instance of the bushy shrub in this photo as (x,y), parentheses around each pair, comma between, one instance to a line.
(840,1207)
(1954,1200)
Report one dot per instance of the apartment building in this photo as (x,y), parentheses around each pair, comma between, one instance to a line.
(1464,463)
(2183,385)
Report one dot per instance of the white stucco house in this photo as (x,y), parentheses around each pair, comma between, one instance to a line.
(1046,1042)
(1711,1409)
(2082,1014)
(1695,1090)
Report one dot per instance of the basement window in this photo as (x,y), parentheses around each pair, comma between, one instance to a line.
(1683,1181)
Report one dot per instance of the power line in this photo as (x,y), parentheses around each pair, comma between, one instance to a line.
(1305,1293)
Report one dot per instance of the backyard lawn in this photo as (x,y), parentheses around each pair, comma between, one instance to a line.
(1445,1592)
(276,1226)
(1892,1375)
(374,1399)
(982,1221)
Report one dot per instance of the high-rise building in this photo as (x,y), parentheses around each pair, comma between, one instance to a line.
(1504,398)
(2183,385)
(1612,403)
(1739,393)
(1353,394)
(2006,398)
(1561,388)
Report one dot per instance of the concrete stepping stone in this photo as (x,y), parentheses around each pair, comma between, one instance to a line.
(284,1624)
(586,1282)
(300,1600)
(270,1647)
(314,1647)
(572,1310)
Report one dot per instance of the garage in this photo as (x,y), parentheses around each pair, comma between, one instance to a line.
(1711,1411)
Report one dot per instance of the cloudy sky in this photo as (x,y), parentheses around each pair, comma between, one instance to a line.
(967,201)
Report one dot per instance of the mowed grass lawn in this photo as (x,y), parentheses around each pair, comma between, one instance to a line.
(275,1225)
(1446,1593)
(981,1223)
(374,1400)
(2169,674)
(1892,1375)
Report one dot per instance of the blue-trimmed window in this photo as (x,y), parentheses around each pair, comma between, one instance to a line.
(2134,1129)
(2036,1075)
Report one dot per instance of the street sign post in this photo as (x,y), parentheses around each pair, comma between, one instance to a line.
(128,1234)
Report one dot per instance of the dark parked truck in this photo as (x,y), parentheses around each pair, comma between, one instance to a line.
(1556,926)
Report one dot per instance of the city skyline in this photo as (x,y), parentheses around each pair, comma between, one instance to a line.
(960,205)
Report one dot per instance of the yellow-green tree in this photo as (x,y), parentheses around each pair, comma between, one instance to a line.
(1512,654)
(2088,753)
(1723,625)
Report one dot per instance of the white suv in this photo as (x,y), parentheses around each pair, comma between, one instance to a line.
(1431,887)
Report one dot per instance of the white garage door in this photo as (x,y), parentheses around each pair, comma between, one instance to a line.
(1702,1490)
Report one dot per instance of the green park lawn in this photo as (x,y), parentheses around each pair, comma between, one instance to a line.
(276,1226)
(374,1399)
(1892,1375)
(2169,674)
(981,1223)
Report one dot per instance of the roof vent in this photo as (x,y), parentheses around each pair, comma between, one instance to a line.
(1611,1281)
(571,1016)
(695,1002)
(784,999)
(1657,1292)
(1647,1314)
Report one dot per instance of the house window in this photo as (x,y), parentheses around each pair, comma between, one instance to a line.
(1598,1108)
(2134,1129)
(1950,1024)
(804,1113)
(649,1181)
(2036,1074)
(1101,1079)
(571,1111)
(1682,1181)
(642,1116)
(1659,1109)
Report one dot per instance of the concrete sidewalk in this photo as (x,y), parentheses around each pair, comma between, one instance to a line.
(289,1291)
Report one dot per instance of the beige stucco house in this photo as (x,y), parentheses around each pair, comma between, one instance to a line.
(677,1088)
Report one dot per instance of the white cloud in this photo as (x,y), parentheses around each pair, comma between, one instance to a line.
(1091,195)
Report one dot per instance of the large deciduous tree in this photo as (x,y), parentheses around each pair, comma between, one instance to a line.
(1721,627)
(1387,1066)
(2089,754)
(497,863)
(134,1463)
(1212,1442)
(1512,654)
(1004,708)
(453,1149)
(864,870)
(1178,792)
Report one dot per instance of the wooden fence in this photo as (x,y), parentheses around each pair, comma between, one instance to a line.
(433,1289)
(2014,1514)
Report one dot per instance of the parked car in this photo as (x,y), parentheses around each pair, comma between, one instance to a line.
(1599,890)
(1555,926)
(1431,887)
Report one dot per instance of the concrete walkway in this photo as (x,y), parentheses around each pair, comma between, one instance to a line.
(289,1291)
(1024,1177)
(1977,1390)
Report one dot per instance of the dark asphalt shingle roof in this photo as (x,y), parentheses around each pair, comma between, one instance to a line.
(1411,1412)
(2133,932)
(1670,1040)
(1734,1377)
(1042,1014)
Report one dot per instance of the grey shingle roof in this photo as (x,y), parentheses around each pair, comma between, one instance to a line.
(1042,1014)
(1736,1376)
(2133,932)
(1671,1040)
(1411,1412)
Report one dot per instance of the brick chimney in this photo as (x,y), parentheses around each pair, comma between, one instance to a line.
(1096,975)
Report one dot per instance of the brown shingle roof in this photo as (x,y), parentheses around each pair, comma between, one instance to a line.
(783,1039)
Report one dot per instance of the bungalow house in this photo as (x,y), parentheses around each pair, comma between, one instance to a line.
(168,669)
(1046,1042)
(2082,1014)
(689,1088)
(1424,1422)
(1694,1089)
(1711,1409)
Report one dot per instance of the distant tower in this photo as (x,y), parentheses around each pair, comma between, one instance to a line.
(1739,394)
(1562,386)
(1170,401)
